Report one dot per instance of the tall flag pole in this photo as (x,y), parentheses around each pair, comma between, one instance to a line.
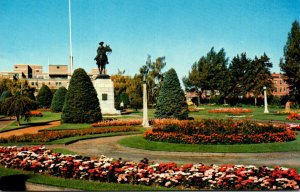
(70,29)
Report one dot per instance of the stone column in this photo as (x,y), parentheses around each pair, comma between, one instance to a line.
(145,107)
(265,100)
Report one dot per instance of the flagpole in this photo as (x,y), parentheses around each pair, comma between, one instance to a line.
(70,29)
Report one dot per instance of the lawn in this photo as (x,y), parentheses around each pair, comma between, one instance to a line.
(141,143)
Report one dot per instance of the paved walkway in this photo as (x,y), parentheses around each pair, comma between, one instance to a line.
(109,147)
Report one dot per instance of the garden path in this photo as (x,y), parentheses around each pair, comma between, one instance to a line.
(5,121)
(109,147)
(30,130)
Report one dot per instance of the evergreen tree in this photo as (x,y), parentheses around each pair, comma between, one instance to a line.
(291,63)
(81,103)
(171,102)
(58,99)
(44,97)
(238,72)
(259,75)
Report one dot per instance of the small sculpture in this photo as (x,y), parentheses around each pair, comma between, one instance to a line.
(101,58)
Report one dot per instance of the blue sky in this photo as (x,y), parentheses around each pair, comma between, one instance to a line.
(31,31)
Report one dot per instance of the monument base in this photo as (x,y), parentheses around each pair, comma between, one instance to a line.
(105,90)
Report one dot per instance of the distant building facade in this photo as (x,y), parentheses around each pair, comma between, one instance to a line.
(57,76)
(281,87)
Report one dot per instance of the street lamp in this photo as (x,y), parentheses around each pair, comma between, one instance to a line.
(145,107)
(265,100)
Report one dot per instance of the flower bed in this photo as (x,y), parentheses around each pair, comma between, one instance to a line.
(218,132)
(198,176)
(47,136)
(234,111)
(127,122)
(293,116)
(36,113)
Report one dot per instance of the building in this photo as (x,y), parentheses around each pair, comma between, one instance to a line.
(281,87)
(57,76)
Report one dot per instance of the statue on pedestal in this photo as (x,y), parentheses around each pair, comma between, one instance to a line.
(101,57)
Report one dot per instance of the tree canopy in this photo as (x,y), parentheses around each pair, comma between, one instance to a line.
(81,103)
(44,97)
(171,102)
(290,65)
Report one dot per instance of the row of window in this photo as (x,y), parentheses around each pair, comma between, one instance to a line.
(49,83)
(280,82)
(281,89)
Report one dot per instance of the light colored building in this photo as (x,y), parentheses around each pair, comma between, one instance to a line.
(57,76)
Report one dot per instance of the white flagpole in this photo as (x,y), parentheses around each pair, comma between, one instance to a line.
(70,29)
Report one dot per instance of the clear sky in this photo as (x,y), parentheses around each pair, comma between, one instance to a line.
(31,31)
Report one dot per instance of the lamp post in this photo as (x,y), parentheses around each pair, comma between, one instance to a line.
(145,106)
(265,100)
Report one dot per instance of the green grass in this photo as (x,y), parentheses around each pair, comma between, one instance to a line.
(257,114)
(76,184)
(68,126)
(141,143)
(34,121)
(70,140)
(64,151)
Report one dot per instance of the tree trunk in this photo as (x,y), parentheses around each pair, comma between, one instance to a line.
(255,101)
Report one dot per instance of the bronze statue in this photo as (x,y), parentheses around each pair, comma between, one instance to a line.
(101,58)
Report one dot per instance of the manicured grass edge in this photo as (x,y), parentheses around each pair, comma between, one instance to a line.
(140,143)
(70,140)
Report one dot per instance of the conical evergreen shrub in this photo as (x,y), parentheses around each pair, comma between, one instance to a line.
(58,99)
(44,97)
(81,103)
(171,102)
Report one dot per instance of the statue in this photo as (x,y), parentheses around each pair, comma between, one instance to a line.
(101,58)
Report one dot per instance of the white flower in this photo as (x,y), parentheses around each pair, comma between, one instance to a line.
(168,183)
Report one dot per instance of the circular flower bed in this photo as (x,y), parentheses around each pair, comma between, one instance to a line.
(198,176)
(218,132)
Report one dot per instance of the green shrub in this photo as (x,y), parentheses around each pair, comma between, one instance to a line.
(81,103)
(171,102)
(58,99)
(4,95)
(44,97)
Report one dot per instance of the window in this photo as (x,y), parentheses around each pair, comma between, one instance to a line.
(280,82)
(276,90)
(275,81)
(49,83)
(32,83)
(57,67)
(104,97)
(37,70)
(280,89)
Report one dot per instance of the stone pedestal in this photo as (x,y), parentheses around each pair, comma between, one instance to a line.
(105,91)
